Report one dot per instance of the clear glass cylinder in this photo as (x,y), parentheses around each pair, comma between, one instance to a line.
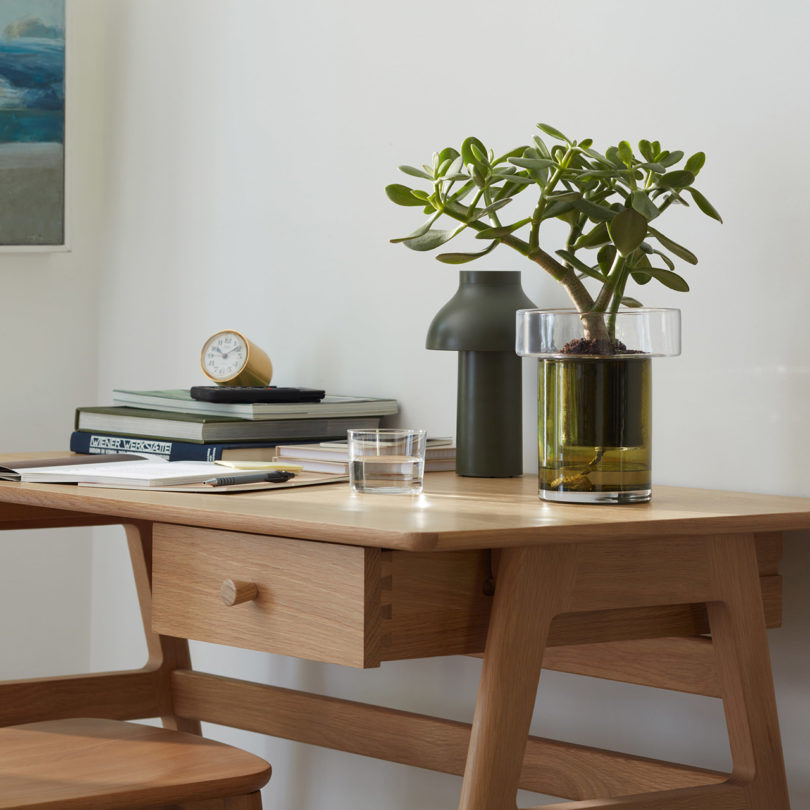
(595,399)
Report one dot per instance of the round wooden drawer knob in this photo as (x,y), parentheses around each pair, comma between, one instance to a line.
(234,592)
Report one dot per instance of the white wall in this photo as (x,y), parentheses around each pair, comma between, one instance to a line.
(247,146)
(49,312)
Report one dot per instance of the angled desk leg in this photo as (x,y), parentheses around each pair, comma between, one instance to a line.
(534,584)
(741,644)
(165,652)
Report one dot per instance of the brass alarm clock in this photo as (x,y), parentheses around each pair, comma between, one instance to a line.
(229,358)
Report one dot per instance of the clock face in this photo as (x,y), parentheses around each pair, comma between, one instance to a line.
(224,355)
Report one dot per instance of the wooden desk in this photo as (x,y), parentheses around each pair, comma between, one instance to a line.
(624,592)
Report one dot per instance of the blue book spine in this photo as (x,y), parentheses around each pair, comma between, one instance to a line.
(103,443)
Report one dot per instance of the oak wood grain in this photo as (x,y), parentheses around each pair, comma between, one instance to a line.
(744,669)
(164,653)
(549,766)
(315,600)
(454,512)
(534,584)
(681,664)
(93,764)
(713,797)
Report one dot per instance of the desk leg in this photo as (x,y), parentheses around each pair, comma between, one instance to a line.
(165,653)
(533,585)
(741,645)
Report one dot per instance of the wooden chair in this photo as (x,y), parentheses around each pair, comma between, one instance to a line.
(95,764)
(65,745)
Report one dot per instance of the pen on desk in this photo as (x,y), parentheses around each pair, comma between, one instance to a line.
(274,476)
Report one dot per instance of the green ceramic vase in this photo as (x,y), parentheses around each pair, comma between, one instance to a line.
(479,323)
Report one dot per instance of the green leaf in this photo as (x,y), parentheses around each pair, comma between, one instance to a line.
(604,173)
(641,278)
(414,172)
(673,247)
(504,230)
(612,154)
(670,158)
(606,257)
(518,151)
(596,237)
(627,230)
(542,149)
(677,179)
(469,155)
(704,205)
(641,202)
(669,279)
(580,265)
(432,239)
(402,195)
(695,163)
(532,163)
(601,159)
(625,153)
(463,258)
(463,191)
(448,153)
(490,209)
(555,133)
(563,196)
(645,147)
(653,167)
(586,143)
(631,302)
(598,213)
(649,249)
(513,178)
(422,229)
(557,208)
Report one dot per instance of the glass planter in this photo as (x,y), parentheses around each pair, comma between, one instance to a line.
(594,410)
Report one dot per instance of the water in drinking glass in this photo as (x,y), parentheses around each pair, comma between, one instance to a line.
(387,460)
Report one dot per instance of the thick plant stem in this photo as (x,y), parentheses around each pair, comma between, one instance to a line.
(593,322)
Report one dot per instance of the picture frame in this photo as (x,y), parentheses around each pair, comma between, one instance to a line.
(33,126)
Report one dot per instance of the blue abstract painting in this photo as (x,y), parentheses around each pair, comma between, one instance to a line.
(32,122)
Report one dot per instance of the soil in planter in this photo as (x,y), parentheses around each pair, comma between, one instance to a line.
(594,420)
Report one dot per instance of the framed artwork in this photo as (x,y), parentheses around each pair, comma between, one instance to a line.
(32,124)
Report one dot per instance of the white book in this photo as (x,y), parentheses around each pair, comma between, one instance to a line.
(339,467)
(339,451)
(138,473)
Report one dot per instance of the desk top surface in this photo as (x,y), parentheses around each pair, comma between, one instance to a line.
(453,512)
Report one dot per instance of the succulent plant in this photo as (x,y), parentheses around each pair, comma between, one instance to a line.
(611,203)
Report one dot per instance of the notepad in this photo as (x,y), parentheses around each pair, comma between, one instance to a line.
(132,473)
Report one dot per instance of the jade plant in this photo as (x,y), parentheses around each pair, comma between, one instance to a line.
(611,203)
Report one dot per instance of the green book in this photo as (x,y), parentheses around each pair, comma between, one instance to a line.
(201,428)
(180,400)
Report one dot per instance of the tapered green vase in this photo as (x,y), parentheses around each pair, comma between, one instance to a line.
(594,406)
(478,322)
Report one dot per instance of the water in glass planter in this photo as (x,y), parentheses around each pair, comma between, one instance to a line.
(594,429)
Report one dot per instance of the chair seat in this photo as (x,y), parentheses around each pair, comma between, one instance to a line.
(96,764)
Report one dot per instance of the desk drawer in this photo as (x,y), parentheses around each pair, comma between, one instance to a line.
(312,600)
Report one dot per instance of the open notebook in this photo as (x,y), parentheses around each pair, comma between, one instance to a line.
(132,472)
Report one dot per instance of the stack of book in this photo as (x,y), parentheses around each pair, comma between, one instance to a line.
(333,457)
(171,424)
